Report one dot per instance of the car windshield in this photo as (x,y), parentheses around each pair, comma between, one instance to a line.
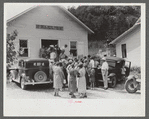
(127,64)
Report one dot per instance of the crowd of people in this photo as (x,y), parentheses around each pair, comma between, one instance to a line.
(76,74)
(52,52)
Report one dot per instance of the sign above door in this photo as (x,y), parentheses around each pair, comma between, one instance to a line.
(49,27)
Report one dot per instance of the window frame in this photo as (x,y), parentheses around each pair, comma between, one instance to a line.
(24,47)
(124,51)
(73,48)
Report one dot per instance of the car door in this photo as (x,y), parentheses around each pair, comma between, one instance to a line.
(112,66)
(127,66)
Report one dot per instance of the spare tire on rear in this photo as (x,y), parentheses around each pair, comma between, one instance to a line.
(40,76)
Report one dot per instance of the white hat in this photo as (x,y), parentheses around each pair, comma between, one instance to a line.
(104,58)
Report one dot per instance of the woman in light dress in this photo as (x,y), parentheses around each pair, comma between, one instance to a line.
(81,81)
(58,78)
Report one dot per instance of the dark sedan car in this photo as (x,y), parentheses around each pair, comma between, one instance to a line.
(31,72)
(115,66)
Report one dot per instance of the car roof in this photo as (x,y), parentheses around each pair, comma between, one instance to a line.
(115,58)
(34,59)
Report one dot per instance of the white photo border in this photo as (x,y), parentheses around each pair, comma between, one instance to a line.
(87,107)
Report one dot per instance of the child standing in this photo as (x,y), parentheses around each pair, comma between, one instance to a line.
(92,78)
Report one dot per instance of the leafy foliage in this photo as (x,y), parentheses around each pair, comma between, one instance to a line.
(108,22)
(11,53)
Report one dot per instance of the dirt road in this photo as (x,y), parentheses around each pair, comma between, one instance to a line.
(13,91)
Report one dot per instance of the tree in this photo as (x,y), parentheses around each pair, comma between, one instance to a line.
(11,53)
(108,22)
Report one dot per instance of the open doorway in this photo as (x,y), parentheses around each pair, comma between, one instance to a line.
(47,42)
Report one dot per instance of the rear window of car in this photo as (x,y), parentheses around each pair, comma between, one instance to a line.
(37,64)
(111,64)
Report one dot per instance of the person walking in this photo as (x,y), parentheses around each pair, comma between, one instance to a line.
(58,78)
(81,81)
(72,81)
(104,70)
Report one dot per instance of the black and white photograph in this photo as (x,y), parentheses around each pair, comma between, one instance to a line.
(73,58)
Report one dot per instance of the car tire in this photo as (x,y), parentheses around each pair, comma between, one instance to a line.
(40,76)
(22,81)
(113,82)
(129,86)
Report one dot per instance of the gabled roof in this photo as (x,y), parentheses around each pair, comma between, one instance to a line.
(138,22)
(20,14)
(66,11)
(76,19)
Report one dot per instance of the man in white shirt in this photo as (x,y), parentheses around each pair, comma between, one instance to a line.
(104,70)
(92,63)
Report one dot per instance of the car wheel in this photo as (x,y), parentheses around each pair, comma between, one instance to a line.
(129,86)
(40,76)
(22,84)
(113,82)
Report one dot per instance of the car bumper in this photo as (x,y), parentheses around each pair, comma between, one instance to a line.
(35,83)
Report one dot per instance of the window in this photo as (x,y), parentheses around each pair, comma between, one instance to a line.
(111,64)
(124,52)
(73,48)
(23,50)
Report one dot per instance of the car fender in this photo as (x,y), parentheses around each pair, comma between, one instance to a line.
(111,75)
(13,73)
(22,76)
(130,77)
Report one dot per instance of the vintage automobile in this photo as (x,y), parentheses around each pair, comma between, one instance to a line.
(31,72)
(114,72)
(133,83)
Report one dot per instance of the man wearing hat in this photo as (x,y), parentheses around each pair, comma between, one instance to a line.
(104,70)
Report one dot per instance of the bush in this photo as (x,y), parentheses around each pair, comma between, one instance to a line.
(136,69)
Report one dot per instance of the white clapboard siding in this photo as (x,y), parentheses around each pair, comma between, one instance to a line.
(133,47)
(52,16)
